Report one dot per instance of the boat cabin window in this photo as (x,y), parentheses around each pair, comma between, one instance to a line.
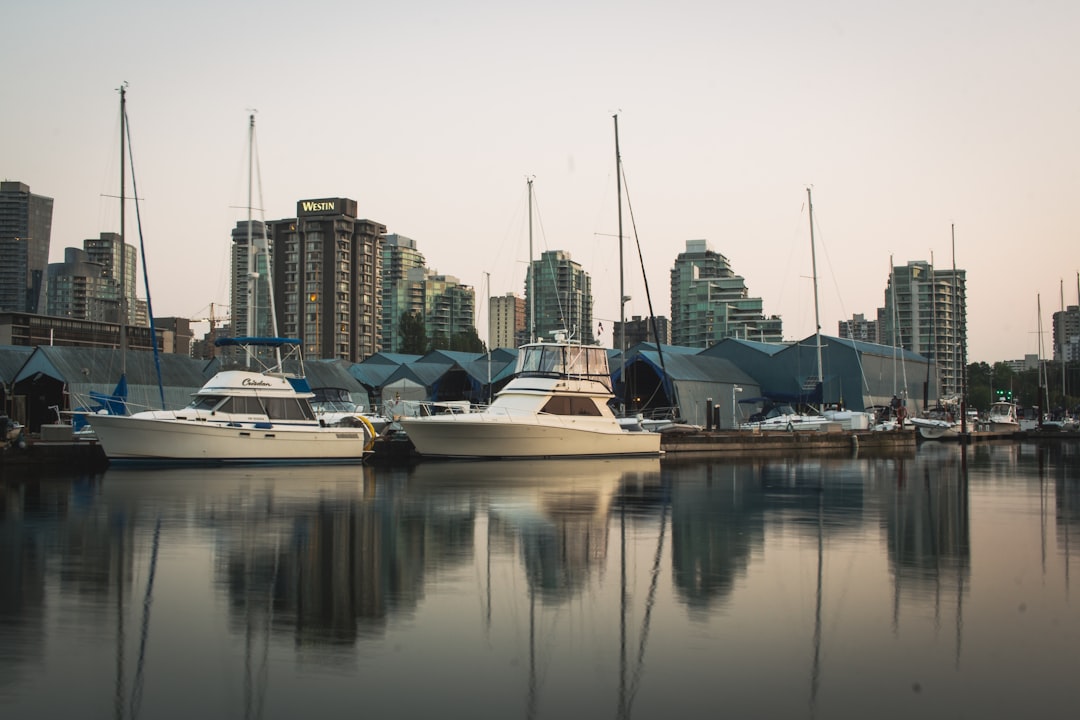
(288,409)
(563,405)
(206,402)
(242,405)
(572,360)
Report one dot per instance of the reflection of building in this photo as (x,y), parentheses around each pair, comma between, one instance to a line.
(718,522)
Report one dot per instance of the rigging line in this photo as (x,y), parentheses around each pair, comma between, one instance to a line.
(148,598)
(146,275)
(646,623)
(648,295)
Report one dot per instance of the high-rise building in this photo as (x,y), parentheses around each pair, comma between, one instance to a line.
(327,278)
(926,312)
(506,321)
(563,297)
(25,230)
(107,250)
(87,285)
(709,302)
(859,328)
(449,308)
(399,294)
(250,295)
(640,330)
(79,288)
(1067,334)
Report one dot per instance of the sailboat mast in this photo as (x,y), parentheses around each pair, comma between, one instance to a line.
(253,255)
(123,241)
(955,310)
(1061,344)
(958,365)
(817,313)
(532,270)
(622,285)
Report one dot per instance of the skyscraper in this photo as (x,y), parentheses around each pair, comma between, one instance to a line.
(25,230)
(926,312)
(506,321)
(106,251)
(709,302)
(399,293)
(249,297)
(564,299)
(327,278)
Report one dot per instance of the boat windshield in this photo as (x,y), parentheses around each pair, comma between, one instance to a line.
(563,360)
(206,402)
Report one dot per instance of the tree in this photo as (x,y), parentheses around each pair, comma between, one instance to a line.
(413,333)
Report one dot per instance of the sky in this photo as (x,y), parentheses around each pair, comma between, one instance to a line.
(907,120)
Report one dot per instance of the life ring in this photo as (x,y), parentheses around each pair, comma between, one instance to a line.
(370,430)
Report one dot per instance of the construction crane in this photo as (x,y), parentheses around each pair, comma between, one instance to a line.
(212,335)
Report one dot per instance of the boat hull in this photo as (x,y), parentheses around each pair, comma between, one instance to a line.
(480,436)
(126,438)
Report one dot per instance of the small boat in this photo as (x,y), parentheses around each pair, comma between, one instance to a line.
(1002,417)
(937,423)
(556,405)
(335,406)
(784,417)
(238,416)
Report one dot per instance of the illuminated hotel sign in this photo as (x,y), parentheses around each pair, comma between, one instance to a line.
(326,206)
(317,207)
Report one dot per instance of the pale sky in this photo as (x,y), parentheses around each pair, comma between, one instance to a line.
(905,118)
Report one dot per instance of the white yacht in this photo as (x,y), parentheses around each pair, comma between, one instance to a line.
(555,406)
(239,415)
(1002,417)
(784,418)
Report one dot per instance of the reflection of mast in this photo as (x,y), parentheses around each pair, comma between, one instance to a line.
(815,672)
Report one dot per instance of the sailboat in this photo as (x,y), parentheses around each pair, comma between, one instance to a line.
(116,402)
(261,413)
(943,422)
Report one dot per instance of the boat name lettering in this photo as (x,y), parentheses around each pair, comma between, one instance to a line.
(248,382)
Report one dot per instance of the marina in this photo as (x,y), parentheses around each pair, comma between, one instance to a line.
(931,582)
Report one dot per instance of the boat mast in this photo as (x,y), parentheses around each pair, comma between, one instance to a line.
(958,369)
(817,315)
(532,270)
(1061,349)
(253,256)
(123,241)
(622,286)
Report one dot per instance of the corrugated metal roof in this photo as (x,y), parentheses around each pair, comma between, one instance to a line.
(12,358)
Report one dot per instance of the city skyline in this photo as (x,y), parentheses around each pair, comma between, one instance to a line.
(904,121)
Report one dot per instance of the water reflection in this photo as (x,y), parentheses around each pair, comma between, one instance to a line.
(764,568)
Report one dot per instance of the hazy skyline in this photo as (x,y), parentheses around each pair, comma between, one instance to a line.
(905,119)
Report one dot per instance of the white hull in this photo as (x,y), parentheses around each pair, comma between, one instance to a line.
(151,439)
(935,429)
(492,435)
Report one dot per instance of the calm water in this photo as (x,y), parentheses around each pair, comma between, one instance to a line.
(936,585)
